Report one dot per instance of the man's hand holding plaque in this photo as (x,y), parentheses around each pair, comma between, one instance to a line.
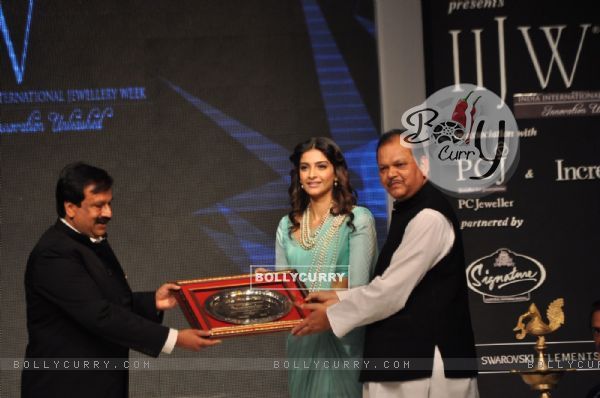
(194,339)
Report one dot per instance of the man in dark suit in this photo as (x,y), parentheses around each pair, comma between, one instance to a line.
(82,317)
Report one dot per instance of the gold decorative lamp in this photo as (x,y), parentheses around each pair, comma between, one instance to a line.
(541,377)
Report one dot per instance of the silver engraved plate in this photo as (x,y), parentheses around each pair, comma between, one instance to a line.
(247,306)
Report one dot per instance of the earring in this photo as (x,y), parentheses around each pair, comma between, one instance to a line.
(335,183)
(301,186)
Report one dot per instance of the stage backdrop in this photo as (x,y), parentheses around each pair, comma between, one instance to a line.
(194,107)
(534,237)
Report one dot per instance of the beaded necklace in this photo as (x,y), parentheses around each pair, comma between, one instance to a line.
(308,237)
(325,244)
(328,244)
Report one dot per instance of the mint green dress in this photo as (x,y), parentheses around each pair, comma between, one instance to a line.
(353,253)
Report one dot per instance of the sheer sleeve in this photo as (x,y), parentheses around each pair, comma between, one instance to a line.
(363,248)
(281,236)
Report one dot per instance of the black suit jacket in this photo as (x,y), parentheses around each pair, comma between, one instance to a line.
(80,307)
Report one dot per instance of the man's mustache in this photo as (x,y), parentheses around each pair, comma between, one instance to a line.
(102,220)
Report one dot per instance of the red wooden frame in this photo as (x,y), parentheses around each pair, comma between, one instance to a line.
(194,293)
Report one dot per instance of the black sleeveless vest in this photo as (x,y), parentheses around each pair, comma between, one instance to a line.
(436,312)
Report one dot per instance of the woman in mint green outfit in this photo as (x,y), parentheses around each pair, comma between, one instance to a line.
(325,232)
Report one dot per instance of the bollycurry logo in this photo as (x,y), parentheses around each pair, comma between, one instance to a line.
(468,137)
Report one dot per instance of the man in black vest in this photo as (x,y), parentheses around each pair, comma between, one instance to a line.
(416,308)
(82,317)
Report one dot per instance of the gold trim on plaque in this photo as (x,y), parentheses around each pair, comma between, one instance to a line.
(257,328)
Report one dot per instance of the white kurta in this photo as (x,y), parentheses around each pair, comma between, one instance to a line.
(428,237)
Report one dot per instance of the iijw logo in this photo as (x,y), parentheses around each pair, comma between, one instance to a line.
(552,34)
(17,63)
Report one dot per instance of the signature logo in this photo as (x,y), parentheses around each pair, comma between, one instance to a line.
(505,276)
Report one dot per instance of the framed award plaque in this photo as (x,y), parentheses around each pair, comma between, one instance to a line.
(243,304)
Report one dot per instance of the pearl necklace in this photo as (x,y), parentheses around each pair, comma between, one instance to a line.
(329,244)
(308,237)
(326,244)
